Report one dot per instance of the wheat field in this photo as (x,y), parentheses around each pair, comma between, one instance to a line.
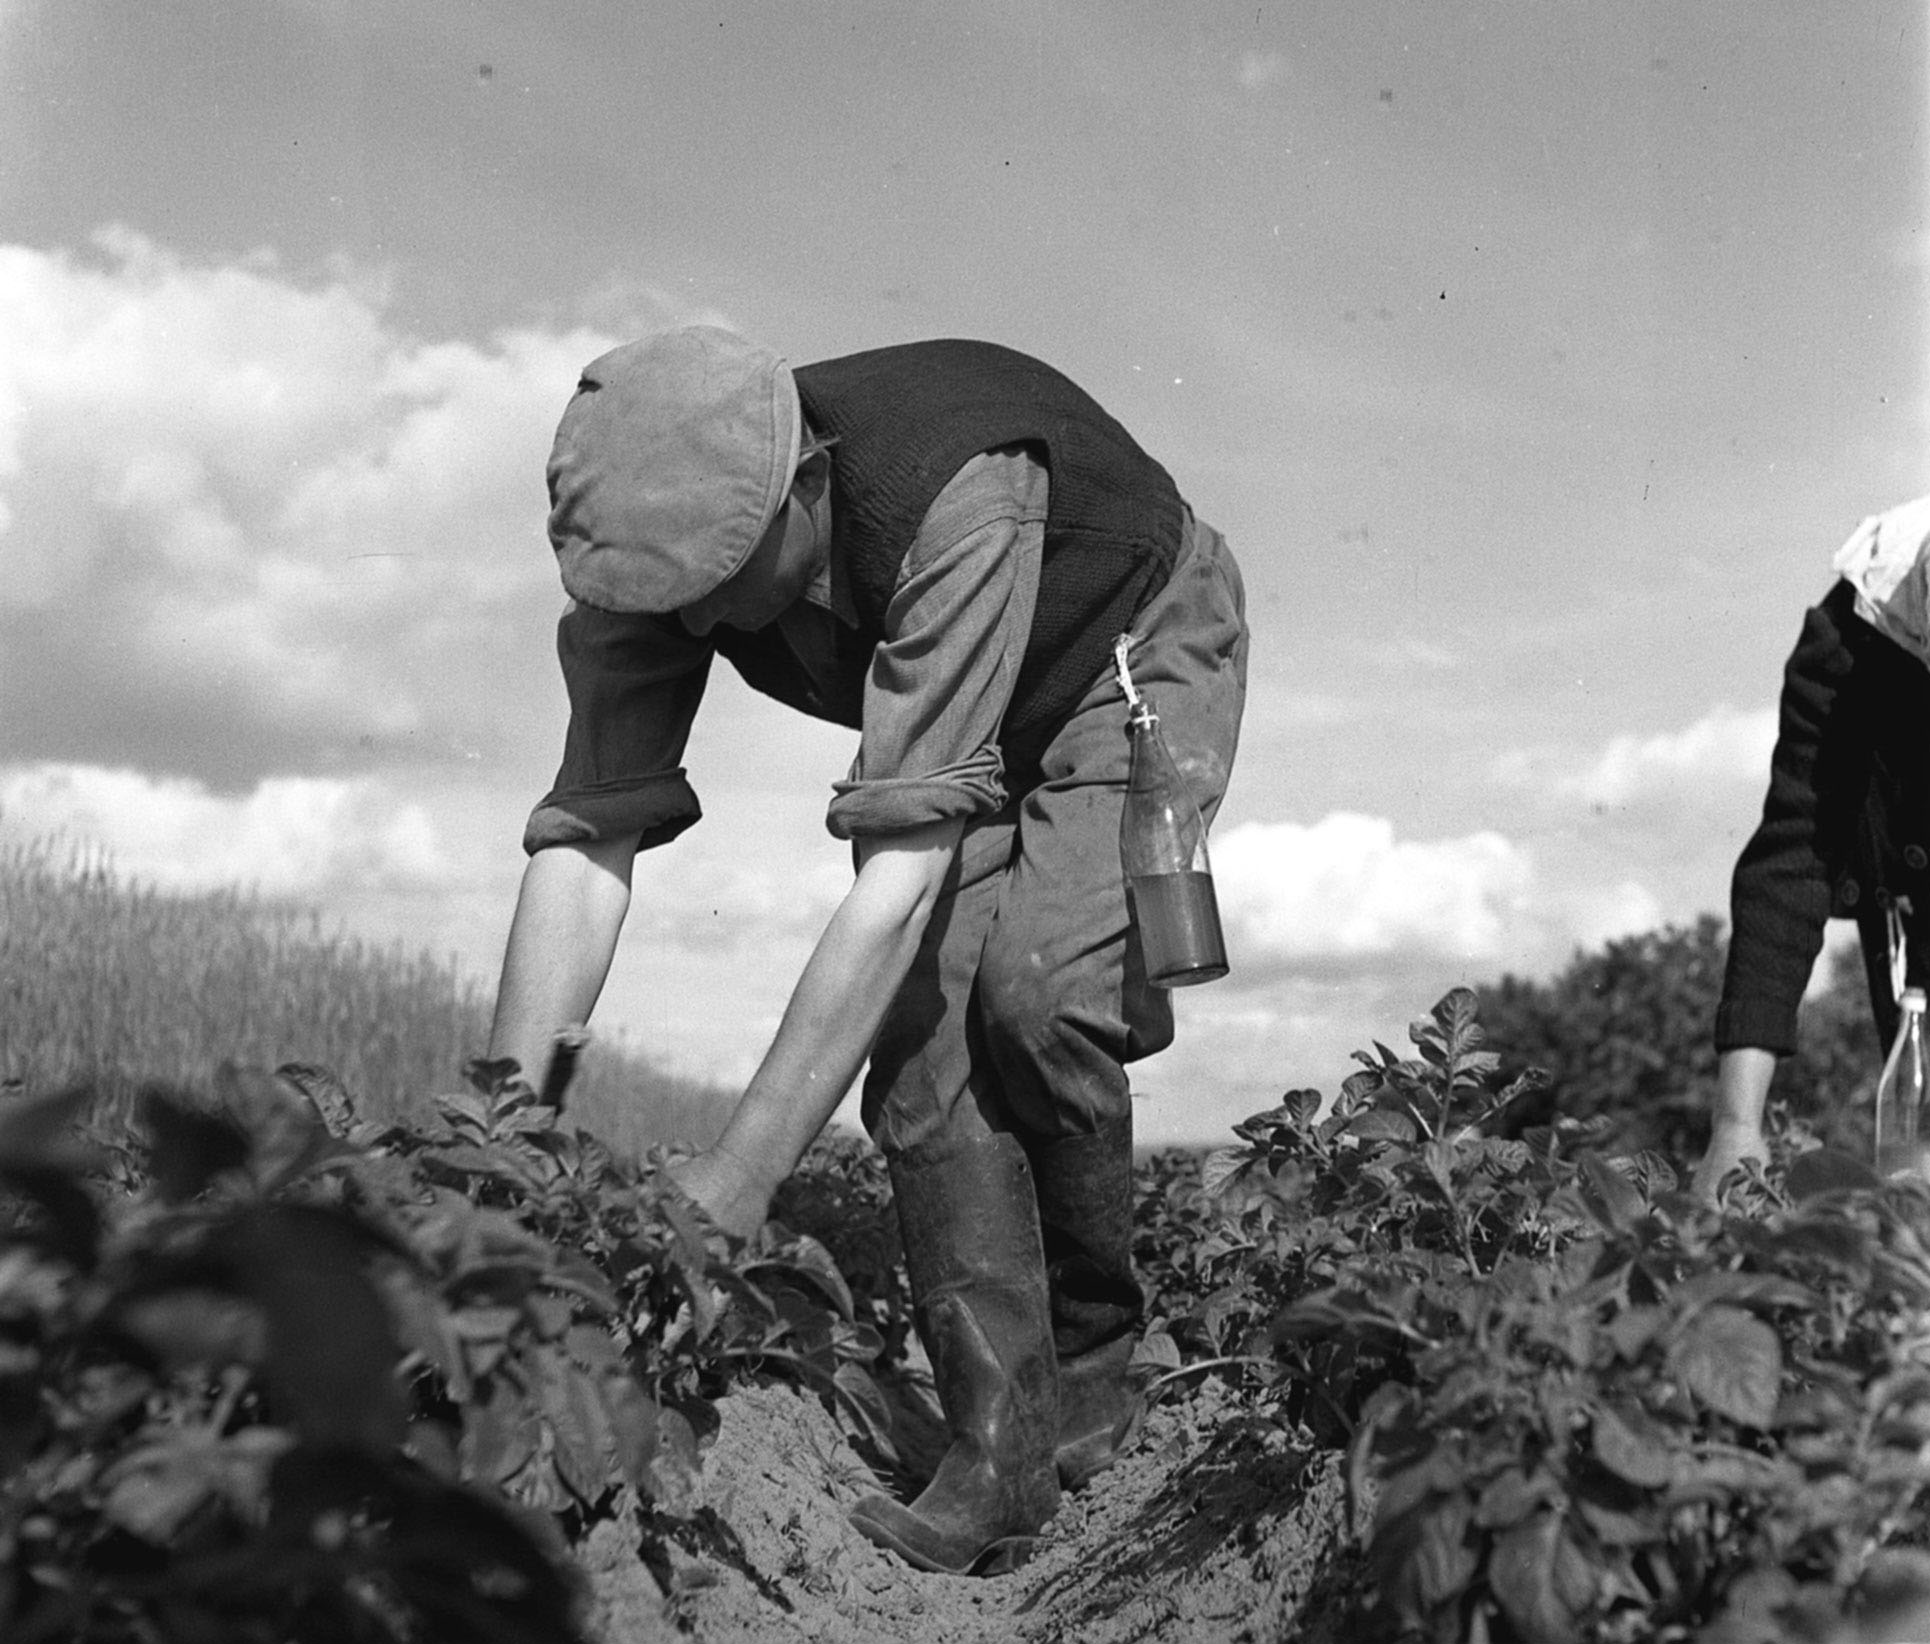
(117,984)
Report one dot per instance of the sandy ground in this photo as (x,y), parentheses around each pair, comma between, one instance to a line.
(1210,1528)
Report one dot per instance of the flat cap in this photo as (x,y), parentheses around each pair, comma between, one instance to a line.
(671,459)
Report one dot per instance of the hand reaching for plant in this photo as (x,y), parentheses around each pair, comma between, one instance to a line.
(1732,1143)
(726,1189)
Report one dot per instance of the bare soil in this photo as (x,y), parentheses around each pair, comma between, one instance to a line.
(1210,1528)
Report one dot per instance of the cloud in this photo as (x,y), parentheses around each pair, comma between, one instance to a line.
(298,837)
(251,527)
(1345,888)
(1344,895)
(1726,746)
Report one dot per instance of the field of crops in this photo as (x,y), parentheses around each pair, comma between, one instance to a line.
(119,985)
(1441,1353)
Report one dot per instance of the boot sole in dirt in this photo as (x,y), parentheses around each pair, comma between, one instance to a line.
(872,1516)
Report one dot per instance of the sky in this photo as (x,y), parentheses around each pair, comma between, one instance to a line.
(1534,357)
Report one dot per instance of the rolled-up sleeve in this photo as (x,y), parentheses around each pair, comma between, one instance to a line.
(634,682)
(955,633)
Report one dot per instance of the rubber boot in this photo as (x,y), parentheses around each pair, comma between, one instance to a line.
(1085,1189)
(971,1232)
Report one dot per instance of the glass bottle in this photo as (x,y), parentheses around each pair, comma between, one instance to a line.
(1899,1094)
(1162,845)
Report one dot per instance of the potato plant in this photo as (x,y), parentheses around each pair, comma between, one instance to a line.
(270,1372)
(1688,1426)
(1578,1404)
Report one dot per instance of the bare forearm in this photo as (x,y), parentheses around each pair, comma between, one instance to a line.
(838,1005)
(1742,1087)
(833,1015)
(568,917)
(1735,1127)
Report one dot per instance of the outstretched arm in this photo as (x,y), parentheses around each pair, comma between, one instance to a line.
(1780,893)
(935,696)
(568,916)
(1735,1131)
(828,1027)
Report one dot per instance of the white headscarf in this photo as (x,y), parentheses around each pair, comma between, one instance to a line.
(1885,562)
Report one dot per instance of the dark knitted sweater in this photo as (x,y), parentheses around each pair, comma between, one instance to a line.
(1845,827)
(905,420)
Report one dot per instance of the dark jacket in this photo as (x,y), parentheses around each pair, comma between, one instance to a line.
(905,420)
(1845,829)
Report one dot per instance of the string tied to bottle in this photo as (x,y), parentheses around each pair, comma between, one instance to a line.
(1900,1095)
(1893,917)
(1139,707)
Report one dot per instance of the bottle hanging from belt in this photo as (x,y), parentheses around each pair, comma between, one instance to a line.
(1162,846)
(1899,1094)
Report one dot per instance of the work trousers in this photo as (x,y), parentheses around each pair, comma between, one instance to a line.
(1028,995)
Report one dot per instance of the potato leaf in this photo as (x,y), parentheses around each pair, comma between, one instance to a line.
(585,1445)
(499,1435)
(188,1148)
(1633,1447)
(1447,1561)
(1157,1350)
(332,1350)
(1826,1170)
(1512,1496)
(194,1326)
(1732,1362)
(1221,1167)
(802,1257)
(677,1465)
(1542,1580)
(1612,1198)
(1381,1125)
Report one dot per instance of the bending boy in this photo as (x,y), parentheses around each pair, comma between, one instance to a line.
(936,544)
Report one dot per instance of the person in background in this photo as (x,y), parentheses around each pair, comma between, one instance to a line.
(1845,829)
(936,543)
